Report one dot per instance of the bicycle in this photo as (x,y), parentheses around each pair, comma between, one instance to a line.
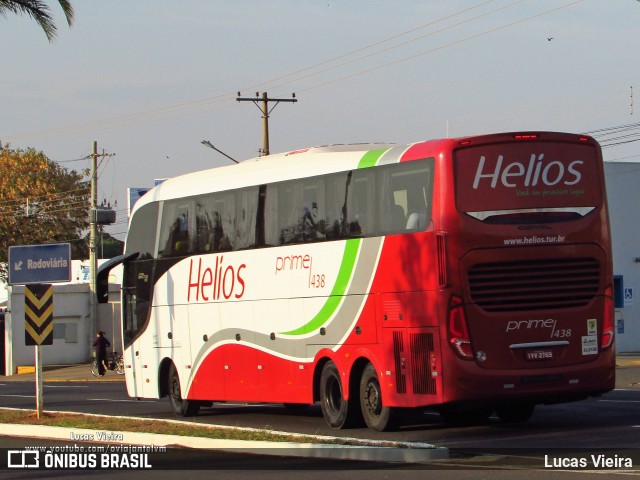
(115,363)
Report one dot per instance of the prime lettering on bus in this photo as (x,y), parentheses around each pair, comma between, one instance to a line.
(213,284)
(516,325)
(517,174)
(293,262)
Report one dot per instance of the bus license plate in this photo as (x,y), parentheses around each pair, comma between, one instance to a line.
(540,355)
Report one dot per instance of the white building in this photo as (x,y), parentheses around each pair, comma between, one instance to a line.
(72,340)
(623,180)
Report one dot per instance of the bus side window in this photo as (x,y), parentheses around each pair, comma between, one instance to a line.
(398,218)
(246,214)
(176,232)
(227,222)
(360,222)
(419,191)
(271,219)
(216,219)
(204,226)
(408,190)
(287,213)
(335,204)
(312,221)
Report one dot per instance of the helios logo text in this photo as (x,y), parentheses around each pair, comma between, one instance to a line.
(532,174)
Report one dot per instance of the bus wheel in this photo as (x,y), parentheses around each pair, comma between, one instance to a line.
(184,408)
(519,412)
(336,410)
(375,414)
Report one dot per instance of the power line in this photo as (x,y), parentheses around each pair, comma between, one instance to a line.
(46,197)
(367,47)
(618,135)
(402,44)
(436,49)
(178,109)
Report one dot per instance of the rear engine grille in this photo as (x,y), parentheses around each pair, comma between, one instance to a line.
(398,352)
(532,285)
(421,350)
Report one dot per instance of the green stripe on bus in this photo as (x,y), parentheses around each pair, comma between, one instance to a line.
(371,158)
(339,289)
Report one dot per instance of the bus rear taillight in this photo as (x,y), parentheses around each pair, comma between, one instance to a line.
(458,330)
(609,322)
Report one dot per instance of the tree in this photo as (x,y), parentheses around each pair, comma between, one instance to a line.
(39,11)
(41,202)
(108,246)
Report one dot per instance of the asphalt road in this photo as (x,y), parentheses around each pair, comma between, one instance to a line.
(608,425)
(611,421)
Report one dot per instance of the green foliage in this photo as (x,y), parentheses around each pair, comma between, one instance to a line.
(39,11)
(41,202)
(108,246)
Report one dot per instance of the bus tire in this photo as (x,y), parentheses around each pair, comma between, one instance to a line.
(376,415)
(519,412)
(181,407)
(337,411)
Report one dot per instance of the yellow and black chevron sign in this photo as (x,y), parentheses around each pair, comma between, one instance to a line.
(38,314)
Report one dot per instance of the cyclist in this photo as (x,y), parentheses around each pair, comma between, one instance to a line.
(101,344)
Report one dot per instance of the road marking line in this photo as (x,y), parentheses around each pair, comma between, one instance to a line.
(65,386)
(21,396)
(112,400)
(620,401)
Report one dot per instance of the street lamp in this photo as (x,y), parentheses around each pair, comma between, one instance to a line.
(207,143)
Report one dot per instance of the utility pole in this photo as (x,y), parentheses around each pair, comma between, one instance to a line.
(94,221)
(264,108)
(93,234)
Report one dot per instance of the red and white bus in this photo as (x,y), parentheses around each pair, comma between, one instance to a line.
(470,275)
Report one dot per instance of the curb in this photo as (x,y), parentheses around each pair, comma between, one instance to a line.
(623,362)
(369,450)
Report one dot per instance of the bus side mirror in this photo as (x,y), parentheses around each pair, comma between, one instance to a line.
(102,289)
(102,278)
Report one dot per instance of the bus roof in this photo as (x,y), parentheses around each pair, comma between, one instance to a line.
(320,160)
(273,168)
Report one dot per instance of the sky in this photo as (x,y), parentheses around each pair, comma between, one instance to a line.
(149,80)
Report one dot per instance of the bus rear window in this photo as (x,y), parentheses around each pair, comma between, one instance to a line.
(527,181)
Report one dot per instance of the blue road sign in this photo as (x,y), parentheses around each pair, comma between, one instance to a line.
(49,263)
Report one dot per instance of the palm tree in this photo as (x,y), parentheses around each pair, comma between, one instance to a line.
(39,11)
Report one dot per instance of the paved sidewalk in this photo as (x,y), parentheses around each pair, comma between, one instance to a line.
(628,371)
(65,373)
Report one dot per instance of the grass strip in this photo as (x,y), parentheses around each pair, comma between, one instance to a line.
(107,423)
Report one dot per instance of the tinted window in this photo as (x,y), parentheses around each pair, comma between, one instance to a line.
(406,200)
(177,230)
(137,274)
(359,203)
(359,212)
(142,232)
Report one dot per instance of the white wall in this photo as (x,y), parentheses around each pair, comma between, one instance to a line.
(623,192)
(72,343)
